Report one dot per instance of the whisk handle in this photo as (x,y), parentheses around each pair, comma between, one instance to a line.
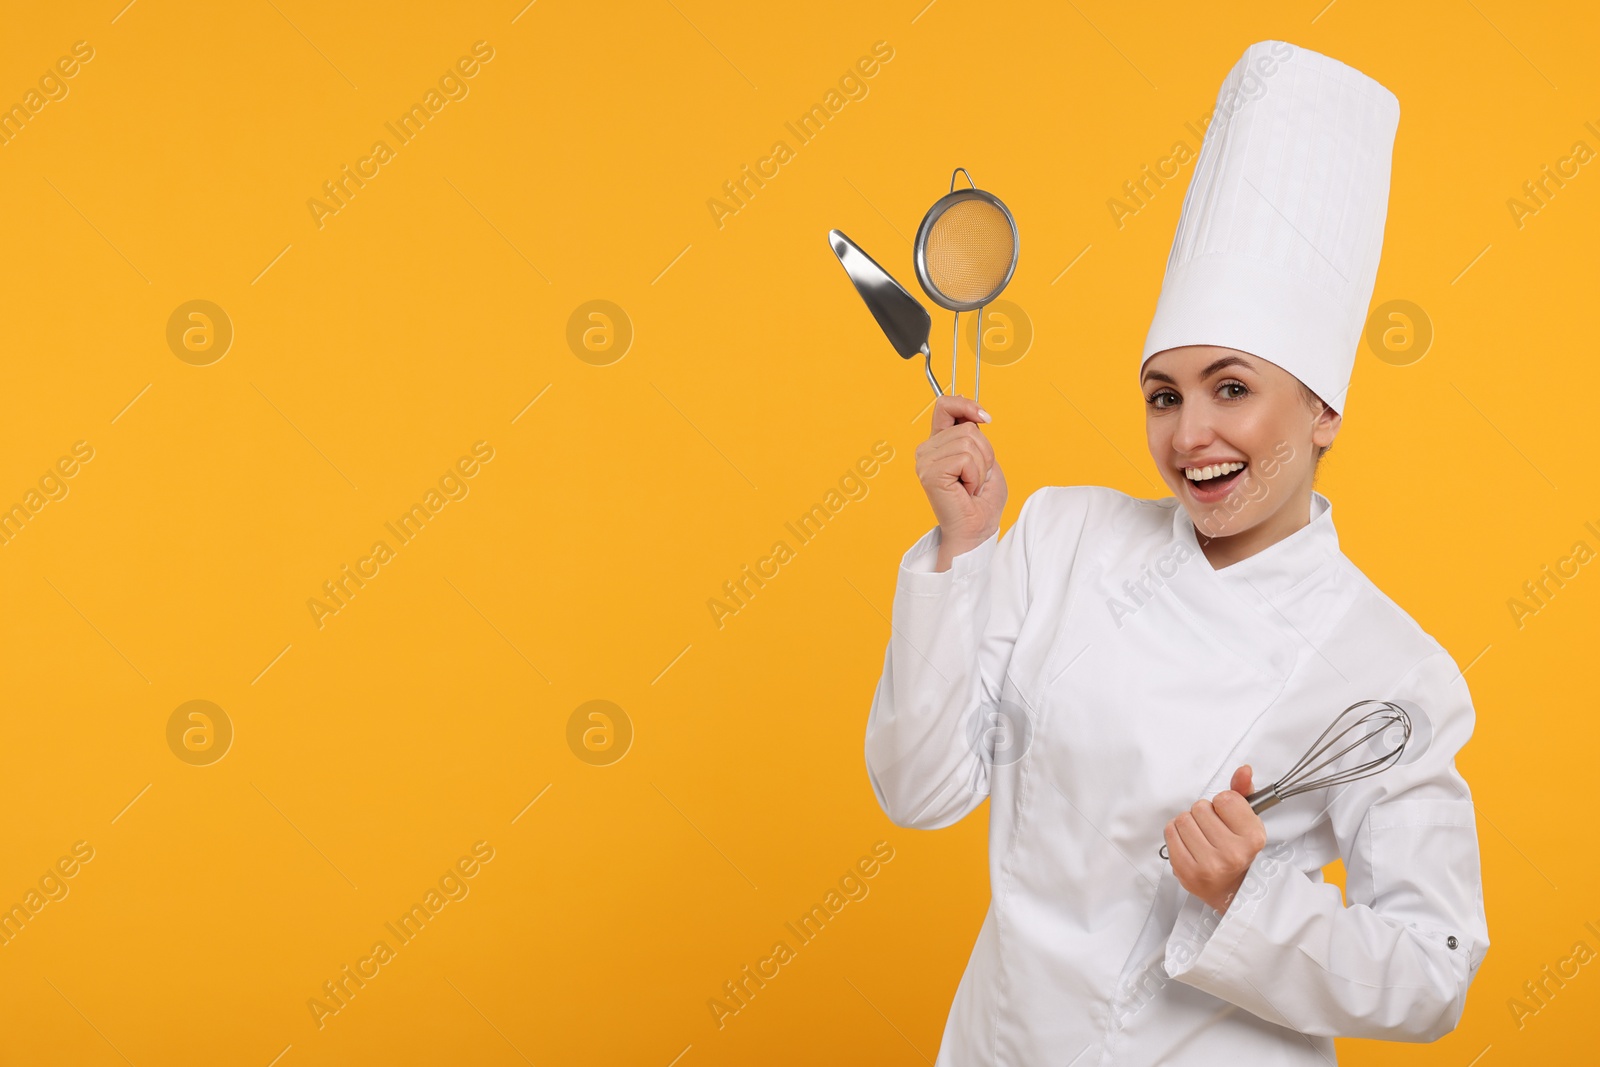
(1262,799)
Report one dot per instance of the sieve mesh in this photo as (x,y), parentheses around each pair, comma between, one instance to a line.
(969,250)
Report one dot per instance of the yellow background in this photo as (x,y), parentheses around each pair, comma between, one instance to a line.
(370,353)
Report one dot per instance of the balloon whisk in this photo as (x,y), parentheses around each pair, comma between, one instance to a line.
(1384,730)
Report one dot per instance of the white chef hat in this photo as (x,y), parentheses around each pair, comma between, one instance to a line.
(1277,247)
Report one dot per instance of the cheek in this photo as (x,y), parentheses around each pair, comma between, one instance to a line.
(1270,426)
(1158,436)
(1255,437)
(1255,489)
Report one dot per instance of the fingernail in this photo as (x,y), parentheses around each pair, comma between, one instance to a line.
(985,416)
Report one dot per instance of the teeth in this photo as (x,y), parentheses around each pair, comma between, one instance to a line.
(1198,474)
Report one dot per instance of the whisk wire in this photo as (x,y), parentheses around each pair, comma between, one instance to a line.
(1302,771)
(1349,773)
(1301,778)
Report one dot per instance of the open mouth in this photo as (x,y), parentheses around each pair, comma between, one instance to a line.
(1222,478)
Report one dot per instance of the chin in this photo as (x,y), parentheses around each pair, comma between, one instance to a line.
(1219,524)
(1219,519)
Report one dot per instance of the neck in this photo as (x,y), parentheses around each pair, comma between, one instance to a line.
(1291,515)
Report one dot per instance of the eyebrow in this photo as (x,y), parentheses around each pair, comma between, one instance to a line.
(1211,368)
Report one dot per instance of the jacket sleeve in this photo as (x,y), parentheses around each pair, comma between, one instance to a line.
(930,728)
(1395,962)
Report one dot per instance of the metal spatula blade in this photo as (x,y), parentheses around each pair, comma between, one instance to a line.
(903,318)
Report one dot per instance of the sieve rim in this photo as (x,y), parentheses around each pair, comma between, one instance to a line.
(920,248)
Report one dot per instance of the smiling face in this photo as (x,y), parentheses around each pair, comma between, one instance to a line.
(1247,423)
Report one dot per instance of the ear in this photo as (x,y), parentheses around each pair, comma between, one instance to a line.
(1326,428)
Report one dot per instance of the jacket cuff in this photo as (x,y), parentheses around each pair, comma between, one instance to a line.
(917,575)
(1203,940)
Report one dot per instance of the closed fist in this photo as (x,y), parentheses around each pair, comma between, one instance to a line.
(957,469)
(1214,843)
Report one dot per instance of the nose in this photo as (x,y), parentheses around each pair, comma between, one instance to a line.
(1194,430)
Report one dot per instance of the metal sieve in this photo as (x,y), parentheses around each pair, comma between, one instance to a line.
(965,253)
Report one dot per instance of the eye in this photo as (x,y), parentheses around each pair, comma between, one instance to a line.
(1233,383)
(1154,398)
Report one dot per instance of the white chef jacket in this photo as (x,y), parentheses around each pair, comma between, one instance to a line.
(1093,675)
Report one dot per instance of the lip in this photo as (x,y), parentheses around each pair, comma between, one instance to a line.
(1211,496)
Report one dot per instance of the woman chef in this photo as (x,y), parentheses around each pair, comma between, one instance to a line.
(1112,658)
